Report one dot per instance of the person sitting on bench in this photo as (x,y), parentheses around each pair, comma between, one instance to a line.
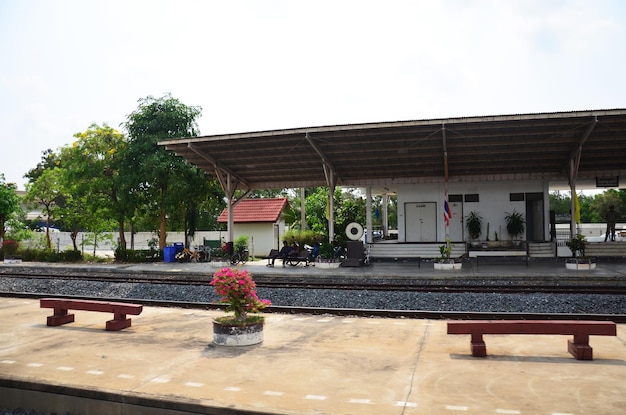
(283,253)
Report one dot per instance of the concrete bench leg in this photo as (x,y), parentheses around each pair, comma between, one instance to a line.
(478,347)
(60,317)
(579,347)
(119,322)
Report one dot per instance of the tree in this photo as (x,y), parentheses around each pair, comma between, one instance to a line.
(148,167)
(192,193)
(91,177)
(45,192)
(49,160)
(601,203)
(9,204)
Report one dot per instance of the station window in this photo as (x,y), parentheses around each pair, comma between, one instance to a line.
(516,197)
(455,198)
(473,197)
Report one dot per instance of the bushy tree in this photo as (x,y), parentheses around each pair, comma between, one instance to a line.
(9,203)
(601,203)
(150,170)
(90,176)
(45,192)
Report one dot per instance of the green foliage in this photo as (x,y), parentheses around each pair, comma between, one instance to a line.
(240,243)
(474,223)
(514,223)
(592,208)
(46,192)
(137,255)
(308,237)
(49,160)
(155,177)
(90,181)
(577,244)
(446,250)
(9,203)
(327,251)
(602,201)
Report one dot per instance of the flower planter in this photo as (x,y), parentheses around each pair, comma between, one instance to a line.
(327,265)
(220,264)
(448,266)
(231,335)
(586,265)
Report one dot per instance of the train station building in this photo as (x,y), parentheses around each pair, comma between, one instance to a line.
(490,165)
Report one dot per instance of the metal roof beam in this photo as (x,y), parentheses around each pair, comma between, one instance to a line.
(217,166)
(327,164)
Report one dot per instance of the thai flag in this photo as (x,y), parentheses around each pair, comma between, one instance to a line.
(447,215)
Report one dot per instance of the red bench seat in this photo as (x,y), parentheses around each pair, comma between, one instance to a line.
(577,347)
(62,305)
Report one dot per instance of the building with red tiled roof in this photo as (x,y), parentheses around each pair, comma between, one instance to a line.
(256,210)
(259,219)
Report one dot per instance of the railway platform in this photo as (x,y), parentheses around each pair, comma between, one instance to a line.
(165,363)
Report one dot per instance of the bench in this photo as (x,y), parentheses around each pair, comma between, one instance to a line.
(501,256)
(294,260)
(274,253)
(577,347)
(62,305)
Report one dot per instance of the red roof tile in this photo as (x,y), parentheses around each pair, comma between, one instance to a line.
(256,210)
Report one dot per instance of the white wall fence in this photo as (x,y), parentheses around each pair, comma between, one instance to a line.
(62,241)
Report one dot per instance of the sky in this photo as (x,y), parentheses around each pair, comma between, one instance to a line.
(262,65)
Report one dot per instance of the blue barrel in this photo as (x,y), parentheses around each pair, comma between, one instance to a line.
(169,254)
(179,246)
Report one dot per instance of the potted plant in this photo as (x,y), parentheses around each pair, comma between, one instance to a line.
(514,224)
(474,224)
(237,289)
(327,257)
(219,258)
(444,262)
(578,245)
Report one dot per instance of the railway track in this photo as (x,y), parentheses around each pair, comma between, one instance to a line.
(413,285)
(368,313)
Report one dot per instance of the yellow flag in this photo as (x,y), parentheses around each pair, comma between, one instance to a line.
(327,209)
(576,208)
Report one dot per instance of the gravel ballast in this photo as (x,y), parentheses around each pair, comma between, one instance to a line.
(334,298)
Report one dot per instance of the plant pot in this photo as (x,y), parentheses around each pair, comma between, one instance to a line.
(327,265)
(580,265)
(448,266)
(237,335)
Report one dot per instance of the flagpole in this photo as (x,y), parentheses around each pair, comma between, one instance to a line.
(446,206)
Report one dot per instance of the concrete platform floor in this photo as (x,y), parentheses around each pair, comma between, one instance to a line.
(306,365)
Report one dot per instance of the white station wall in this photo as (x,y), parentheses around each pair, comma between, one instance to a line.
(493,205)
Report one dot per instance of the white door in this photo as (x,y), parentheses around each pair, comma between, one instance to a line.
(421,221)
(456,223)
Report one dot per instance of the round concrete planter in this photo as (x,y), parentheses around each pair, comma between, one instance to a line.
(448,266)
(220,264)
(230,335)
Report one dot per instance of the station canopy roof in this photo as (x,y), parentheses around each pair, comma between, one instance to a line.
(386,154)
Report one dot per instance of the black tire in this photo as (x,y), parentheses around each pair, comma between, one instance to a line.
(202,256)
(183,257)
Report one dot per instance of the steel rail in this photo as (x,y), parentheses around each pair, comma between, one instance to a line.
(511,287)
(347,312)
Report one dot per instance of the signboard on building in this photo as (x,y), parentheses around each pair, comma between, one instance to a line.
(607,181)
